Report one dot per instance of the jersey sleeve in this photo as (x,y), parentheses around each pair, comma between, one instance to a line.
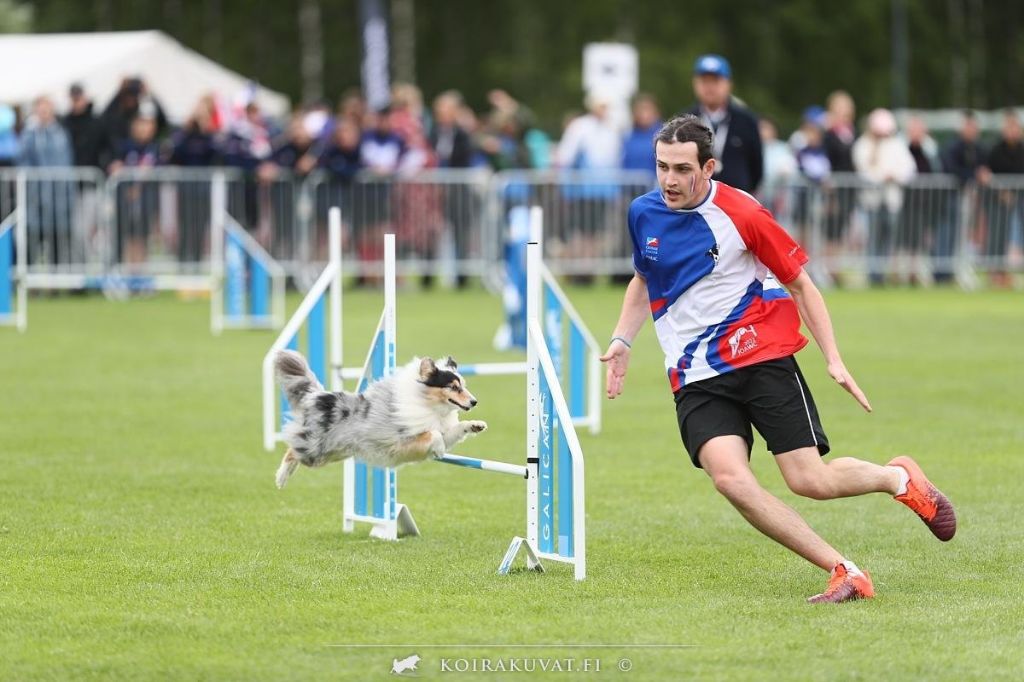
(773,246)
(638,256)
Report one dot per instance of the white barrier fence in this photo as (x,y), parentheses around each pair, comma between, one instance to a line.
(156,223)
(59,239)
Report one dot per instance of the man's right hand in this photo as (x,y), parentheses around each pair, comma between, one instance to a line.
(617,359)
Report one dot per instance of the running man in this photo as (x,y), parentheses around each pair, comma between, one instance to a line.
(709,263)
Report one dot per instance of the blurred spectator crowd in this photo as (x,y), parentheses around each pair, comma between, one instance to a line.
(820,181)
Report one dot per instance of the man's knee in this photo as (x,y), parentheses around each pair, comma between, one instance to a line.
(737,487)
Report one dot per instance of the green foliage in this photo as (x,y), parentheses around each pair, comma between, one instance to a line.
(786,54)
(15,17)
(141,536)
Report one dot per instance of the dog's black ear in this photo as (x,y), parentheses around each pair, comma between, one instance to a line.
(451,362)
(427,367)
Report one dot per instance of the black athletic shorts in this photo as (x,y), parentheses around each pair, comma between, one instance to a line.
(772,396)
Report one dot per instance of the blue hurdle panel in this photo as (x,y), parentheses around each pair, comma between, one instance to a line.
(316,340)
(565,499)
(234,279)
(545,471)
(6,259)
(577,372)
(553,314)
(286,411)
(259,289)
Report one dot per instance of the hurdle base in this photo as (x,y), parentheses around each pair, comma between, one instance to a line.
(404,525)
(532,561)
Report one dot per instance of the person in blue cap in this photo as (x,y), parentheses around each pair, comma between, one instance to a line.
(737,142)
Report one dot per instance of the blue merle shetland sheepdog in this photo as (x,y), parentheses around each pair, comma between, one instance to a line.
(409,416)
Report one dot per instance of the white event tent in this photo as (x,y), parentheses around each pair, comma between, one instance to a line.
(48,63)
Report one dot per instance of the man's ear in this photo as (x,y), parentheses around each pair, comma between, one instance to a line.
(709,167)
(427,368)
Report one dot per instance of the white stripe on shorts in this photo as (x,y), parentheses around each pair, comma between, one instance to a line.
(810,422)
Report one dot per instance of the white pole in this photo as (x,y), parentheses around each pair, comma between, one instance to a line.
(21,230)
(218,207)
(533,302)
(390,361)
(269,404)
(334,254)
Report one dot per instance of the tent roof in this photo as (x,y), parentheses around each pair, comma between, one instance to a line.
(177,76)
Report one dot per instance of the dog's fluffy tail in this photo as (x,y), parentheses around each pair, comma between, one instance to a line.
(286,469)
(296,378)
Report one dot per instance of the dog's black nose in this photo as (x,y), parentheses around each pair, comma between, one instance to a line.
(472,403)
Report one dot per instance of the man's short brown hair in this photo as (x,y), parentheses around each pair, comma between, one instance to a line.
(688,128)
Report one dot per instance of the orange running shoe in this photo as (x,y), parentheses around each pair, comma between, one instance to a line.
(845,586)
(932,506)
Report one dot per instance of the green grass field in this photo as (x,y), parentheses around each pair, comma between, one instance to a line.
(141,535)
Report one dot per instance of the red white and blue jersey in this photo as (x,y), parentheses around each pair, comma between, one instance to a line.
(709,270)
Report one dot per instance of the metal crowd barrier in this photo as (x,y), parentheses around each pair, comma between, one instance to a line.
(453,224)
(930,230)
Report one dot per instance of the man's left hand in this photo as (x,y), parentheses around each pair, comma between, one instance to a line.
(837,370)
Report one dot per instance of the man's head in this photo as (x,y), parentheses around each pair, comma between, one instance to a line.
(645,110)
(42,108)
(969,129)
(917,130)
(684,161)
(1011,127)
(840,108)
(143,128)
(446,108)
(712,81)
(79,102)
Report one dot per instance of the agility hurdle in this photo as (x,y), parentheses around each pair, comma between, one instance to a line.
(13,295)
(247,289)
(554,459)
(246,285)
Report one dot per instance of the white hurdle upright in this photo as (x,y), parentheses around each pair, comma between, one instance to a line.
(554,473)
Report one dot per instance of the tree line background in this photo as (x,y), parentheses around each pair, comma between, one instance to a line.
(786,54)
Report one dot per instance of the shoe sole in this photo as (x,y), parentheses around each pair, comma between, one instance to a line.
(943,524)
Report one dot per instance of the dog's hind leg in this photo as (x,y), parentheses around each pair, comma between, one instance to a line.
(288,464)
(417,448)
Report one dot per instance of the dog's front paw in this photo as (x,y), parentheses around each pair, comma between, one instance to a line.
(476,426)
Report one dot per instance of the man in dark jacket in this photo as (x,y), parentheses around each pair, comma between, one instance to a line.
(737,142)
(962,157)
(89,143)
(1003,202)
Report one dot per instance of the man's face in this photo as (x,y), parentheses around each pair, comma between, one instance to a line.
(969,131)
(44,110)
(645,113)
(712,91)
(682,179)
(1011,129)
